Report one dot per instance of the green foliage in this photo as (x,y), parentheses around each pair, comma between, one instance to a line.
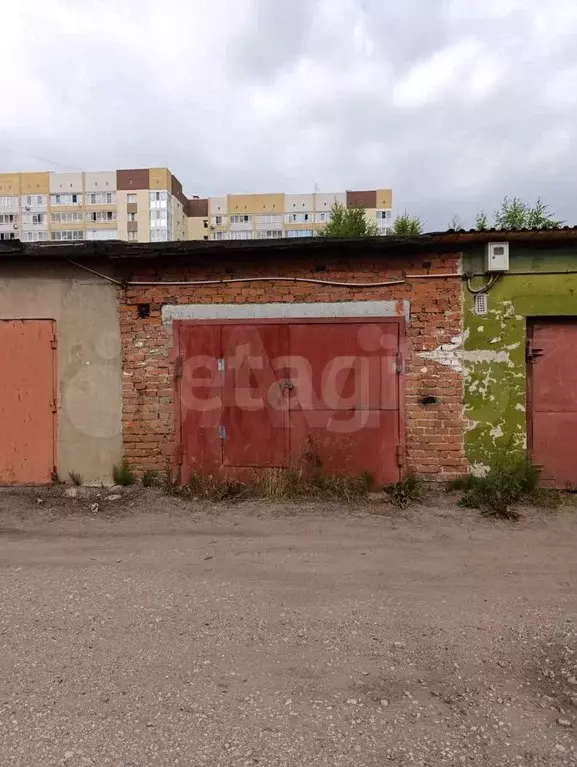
(506,484)
(349,222)
(408,490)
(455,223)
(515,213)
(407,226)
(150,479)
(123,474)
(481,221)
(75,478)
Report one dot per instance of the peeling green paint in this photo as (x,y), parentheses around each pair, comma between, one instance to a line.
(494,363)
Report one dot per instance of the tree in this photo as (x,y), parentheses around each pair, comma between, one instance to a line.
(455,223)
(481,222)
(515,213)
(407,226)
(349,222)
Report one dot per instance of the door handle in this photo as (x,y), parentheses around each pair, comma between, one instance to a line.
(288,385)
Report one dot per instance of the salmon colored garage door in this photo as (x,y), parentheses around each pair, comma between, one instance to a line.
(552,400)
(260,395)
(27,402)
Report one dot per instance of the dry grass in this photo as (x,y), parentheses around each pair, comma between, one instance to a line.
(277,485)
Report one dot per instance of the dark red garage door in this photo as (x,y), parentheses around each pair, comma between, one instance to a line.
(552,412)
(257,395)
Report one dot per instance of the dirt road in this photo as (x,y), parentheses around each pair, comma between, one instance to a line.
(157,633)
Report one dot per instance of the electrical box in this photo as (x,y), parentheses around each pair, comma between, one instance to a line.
(497,257)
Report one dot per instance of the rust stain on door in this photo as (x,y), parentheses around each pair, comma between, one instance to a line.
(27,402)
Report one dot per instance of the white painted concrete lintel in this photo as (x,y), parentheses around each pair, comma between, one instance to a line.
(314,310)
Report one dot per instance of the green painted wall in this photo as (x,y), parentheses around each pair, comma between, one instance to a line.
(494,346)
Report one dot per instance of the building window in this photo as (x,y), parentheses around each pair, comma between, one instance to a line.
(220,236)
(38,218)
(131,198)
(270,234)
(383,215)
(324,217)
(241,235)
(99,216)
(66,235)
(35,236)
(101,234)
(34,201)
(132,236)
(299,232)
(241,219)
(218,220)
(274,220)
(7,218)
(71,217)
(132,217)
(7,236)
(101,198)
(66,199)
(159,235)
(158,199)
(8,202)
(299,218)
(158,218)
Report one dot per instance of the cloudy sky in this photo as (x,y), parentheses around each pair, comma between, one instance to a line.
(453,103)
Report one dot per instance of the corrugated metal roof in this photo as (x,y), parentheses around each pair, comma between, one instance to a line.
(450,239)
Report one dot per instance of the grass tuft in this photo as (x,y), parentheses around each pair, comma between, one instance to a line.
(409,490)
(505,485)
(75,478)
(150,479)
(123,474)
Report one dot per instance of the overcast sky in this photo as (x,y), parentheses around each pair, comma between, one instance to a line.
(453,103)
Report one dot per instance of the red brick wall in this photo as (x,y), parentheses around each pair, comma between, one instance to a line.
(434,433)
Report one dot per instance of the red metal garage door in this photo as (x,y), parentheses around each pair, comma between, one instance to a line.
(552,389)
(266,395)
(27,402)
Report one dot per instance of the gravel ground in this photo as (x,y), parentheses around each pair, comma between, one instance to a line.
(154,632)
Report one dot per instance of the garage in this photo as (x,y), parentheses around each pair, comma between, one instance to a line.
(255,395)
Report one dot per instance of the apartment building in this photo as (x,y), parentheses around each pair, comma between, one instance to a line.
(273,216)
(144,205)
(148,205)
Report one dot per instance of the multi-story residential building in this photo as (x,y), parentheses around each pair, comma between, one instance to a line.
(144,205)
(148,205)
(271,216)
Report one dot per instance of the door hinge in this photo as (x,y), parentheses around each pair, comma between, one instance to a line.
(222,431)
(53,343)
(399,455)
(400,363)
(179,455)
(531,353)
(54,408)
(221,365)
(178,367)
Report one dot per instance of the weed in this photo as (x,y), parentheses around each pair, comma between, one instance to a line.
(75,478)
(123,474)
(408,490)
(275,484)
(506,484)
(150,479)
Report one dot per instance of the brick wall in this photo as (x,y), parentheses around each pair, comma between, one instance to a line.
(434,432)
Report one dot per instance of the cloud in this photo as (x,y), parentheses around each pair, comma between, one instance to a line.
(452,103)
